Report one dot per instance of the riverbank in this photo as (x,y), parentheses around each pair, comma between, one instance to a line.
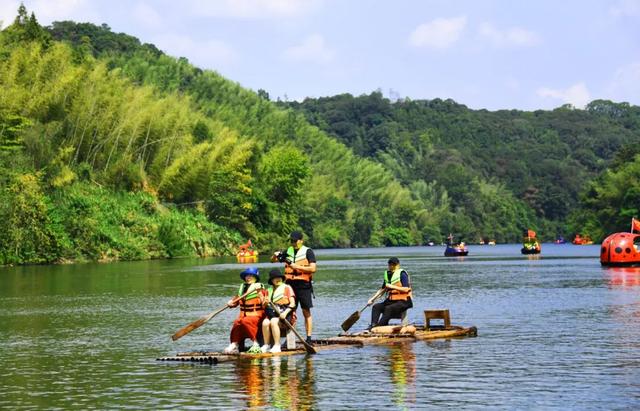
(86,222)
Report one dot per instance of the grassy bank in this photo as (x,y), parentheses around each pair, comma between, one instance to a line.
(87,222)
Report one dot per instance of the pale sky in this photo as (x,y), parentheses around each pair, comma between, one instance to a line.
(485,54)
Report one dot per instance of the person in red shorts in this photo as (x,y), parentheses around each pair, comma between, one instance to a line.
(247,325)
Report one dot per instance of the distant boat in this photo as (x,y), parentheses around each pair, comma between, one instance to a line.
(246,253)
(621,249)
(582,240)
(560,240)
(530,244)
(455,249)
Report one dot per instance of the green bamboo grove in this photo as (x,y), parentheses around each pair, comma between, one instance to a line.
(110,149)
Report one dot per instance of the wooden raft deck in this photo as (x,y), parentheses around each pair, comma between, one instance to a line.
(344,340)
(366,338)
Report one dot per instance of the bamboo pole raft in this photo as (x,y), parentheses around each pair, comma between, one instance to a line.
(379,335)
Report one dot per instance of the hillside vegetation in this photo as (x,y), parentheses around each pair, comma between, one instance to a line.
(110,149)
(188,156)
(543,159)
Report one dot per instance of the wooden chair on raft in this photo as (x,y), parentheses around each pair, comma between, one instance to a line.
(441,314)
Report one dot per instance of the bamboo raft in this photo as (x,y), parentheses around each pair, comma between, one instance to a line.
(343,340)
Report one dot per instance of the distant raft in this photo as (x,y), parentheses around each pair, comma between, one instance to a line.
(247,253)
(530,243)
(582,240)
(531,247)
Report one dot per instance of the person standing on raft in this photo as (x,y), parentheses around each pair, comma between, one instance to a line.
(299,266)
(247,325)
(397,285)
(283,297)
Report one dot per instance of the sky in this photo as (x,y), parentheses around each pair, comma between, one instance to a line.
(486,54)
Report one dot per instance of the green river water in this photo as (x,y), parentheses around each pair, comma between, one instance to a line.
(554,331)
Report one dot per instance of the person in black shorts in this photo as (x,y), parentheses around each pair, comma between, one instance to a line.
(299,266)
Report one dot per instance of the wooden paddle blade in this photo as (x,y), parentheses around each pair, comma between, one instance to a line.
(197,323)
(348,323)
(307,346)
(188,328)
(310,349)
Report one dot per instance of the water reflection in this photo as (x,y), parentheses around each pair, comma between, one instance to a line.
(250,379)
(623,276)
(403,375)
(285,382)
(438,344)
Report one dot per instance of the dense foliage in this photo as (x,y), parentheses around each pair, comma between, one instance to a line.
(297,175)
(609,202)
(145,128)
(110,149)
(485,161)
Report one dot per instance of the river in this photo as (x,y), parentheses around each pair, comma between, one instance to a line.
(554,331)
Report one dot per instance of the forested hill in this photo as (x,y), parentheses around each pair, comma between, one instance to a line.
(110,149)
(543,158)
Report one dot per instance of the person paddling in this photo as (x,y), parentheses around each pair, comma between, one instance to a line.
(283,297)
(251,313)
(397,285)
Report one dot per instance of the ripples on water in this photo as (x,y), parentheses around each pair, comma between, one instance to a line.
(555,331)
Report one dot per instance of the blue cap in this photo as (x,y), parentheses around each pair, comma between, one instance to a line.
(250,271)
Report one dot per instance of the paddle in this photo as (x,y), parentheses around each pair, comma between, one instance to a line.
(202,320)
(353,318)
(307,346)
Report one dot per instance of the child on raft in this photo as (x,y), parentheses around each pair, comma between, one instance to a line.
(283,297)
(247,325)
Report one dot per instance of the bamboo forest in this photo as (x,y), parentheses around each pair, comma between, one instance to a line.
(113,150)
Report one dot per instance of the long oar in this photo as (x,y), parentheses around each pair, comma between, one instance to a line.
(202,320)
(307,346)
(353,318)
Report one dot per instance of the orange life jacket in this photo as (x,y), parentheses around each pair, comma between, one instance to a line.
(250,306)
(299,258)
(396,295)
